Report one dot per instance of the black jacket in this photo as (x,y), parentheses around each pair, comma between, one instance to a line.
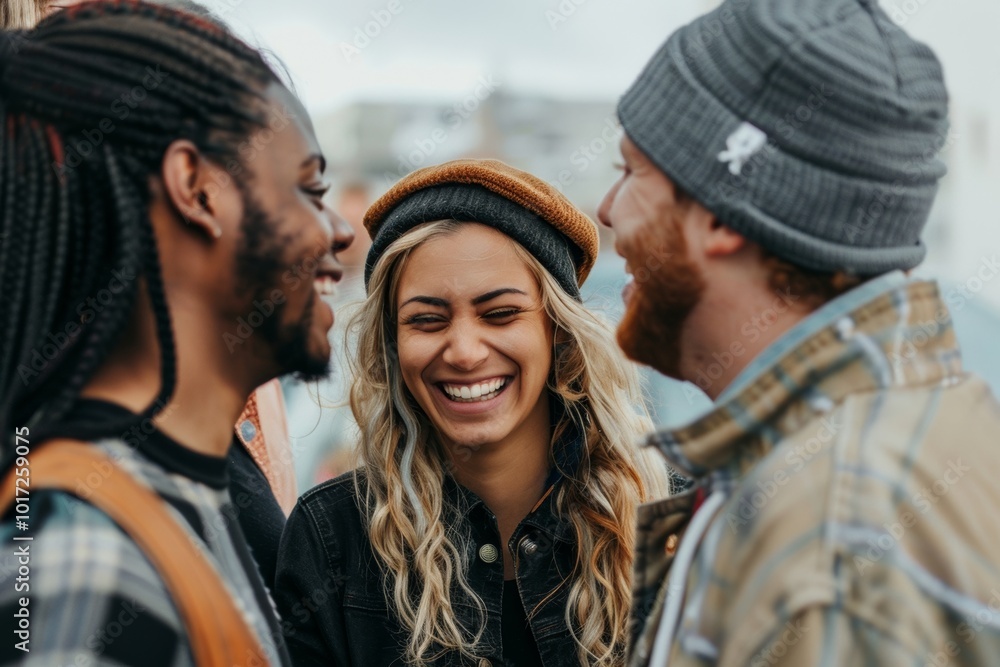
(329,585)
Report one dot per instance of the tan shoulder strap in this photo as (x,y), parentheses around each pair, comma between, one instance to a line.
(218,633)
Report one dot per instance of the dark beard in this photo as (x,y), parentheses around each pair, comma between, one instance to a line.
(650,331)
(260,263)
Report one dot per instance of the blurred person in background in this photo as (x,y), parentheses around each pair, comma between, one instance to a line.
(492,517)
(126,189)
(844,501)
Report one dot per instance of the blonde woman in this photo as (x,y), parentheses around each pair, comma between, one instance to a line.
(492,518)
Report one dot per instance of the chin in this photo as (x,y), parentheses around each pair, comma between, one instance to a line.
(646,337)
(471,438)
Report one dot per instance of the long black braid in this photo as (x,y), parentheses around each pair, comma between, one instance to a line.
(89,102)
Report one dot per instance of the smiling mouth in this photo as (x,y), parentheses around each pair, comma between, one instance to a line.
(325,282)
(325,286)
(474,393)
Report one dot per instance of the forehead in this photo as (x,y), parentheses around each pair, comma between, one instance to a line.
(470,261)
(287,138)
(628,147)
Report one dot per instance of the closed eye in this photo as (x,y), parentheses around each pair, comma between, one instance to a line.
(423,319)
(317,191)
(501,313)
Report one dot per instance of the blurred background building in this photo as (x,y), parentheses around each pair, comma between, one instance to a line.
(394,85)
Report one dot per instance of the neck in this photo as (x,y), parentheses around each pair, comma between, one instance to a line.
(207,398)
(509,475)
(731,326)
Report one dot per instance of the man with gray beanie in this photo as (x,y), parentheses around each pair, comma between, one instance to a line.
(780,162)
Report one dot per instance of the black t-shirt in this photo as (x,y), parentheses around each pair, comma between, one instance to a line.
(256,509)
(519,646)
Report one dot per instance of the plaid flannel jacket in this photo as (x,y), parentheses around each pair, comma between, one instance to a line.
(94,597)
(855,514)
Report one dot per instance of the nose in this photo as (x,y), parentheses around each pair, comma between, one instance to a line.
(465,348)
(343,233)
(604,210)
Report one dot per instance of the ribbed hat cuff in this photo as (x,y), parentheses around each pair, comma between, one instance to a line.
(473,203)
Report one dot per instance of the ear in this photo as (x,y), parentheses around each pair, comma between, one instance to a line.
(190,188)
(721,240)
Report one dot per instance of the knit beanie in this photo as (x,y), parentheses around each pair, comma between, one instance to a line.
(523,207)
(811,127)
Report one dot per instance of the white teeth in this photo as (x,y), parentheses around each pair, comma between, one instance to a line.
(325,285)
(477,392)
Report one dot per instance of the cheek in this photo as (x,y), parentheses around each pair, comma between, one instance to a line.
(414,357)
(530,346)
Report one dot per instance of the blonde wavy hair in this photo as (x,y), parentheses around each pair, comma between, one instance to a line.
(405,465)
(21,14)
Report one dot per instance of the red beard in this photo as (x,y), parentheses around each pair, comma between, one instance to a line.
(668,285)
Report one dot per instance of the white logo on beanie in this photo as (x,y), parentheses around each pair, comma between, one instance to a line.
(741,145)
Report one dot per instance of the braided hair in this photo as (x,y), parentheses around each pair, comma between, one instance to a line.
(89,102)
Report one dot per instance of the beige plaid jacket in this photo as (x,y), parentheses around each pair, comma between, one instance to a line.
(853,511)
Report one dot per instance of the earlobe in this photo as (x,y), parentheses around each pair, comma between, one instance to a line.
(182,172)
(722,240)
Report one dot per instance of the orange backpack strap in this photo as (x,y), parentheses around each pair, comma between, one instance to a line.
(218,634)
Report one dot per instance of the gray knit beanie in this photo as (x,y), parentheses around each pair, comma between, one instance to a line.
(812,127)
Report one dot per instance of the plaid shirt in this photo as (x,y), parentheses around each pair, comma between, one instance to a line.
(853,502)
(94,597)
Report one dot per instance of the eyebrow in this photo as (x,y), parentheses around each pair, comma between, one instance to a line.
(429,300)
(489,296)
(483,298)
(313,158)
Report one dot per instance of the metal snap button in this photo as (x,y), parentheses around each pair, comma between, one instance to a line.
(488,553)
(248,430)
(528,546)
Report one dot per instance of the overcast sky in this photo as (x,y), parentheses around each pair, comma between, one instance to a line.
(440,48)
(567,48)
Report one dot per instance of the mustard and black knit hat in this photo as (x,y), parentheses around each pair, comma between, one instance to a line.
(513,202)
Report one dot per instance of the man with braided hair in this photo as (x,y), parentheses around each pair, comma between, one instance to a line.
(163,248)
